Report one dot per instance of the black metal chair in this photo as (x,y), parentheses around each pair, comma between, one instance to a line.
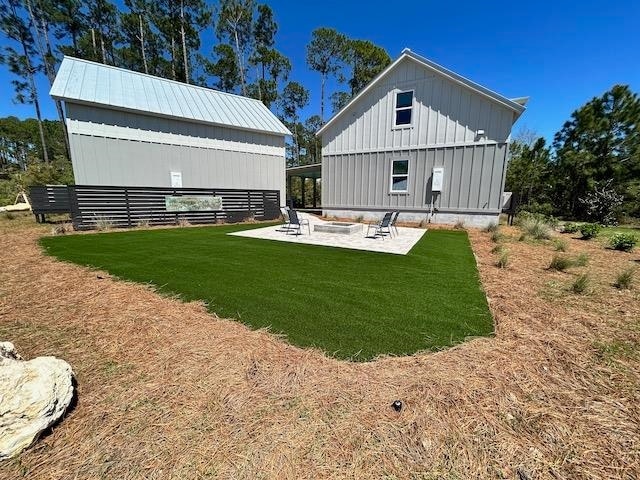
(394,219)
(296,223)
(381,228)
(286,226)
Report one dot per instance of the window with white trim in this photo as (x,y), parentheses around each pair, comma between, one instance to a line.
(399,175)
(404,108)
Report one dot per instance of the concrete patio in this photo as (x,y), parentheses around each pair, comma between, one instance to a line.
(399,244)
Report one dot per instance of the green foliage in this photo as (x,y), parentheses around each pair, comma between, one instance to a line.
(503,259)
(57,172)
(433,313)
(499,248)
(623,241)
(581,284)
(535,228)
(581,260)
(496,236)
(624,280)
(560,245)
(492,227)
(589,230)
(571,228)
(560,263)
(528,170)
(366,60)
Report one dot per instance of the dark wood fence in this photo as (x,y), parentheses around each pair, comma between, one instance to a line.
(49,199)
(93,206)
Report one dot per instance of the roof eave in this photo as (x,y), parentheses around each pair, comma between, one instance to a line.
(172,117)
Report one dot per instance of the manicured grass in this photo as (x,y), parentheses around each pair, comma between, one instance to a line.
(350,303)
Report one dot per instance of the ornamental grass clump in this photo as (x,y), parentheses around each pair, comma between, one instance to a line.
(560,263)
(560,245)
(535,228)
(624,242)
(581,284)
(581,260)
(503,259)
(624,280)
(492,227)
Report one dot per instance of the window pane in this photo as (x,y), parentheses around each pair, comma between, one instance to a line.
(404,99)
(403,117)
(399,183)
(400,167)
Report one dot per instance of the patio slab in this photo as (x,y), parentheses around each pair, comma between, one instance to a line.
(400,244)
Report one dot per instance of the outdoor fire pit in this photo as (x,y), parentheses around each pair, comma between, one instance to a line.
(338,227)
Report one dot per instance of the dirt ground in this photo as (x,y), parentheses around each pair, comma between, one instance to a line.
(166,390)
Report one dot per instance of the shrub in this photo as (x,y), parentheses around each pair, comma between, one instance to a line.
(560,263)
(459,225)
(536,228)
(581,284)
(581,260)
(525,216)
(602,205)
(62,229)
(623,241)
(560,245)
(498,248)
(589,230)
(503,260)
(571,228)
(9,215)
(624,280)
(497,236)
(103,223)
(492,227)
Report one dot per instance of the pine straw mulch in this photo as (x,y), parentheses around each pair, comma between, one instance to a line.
(168,391)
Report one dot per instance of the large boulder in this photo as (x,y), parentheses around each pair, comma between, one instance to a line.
(34,394)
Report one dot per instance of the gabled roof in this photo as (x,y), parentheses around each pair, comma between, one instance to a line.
(91,83)
(517,105)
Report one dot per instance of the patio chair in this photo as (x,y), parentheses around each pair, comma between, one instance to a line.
(296,223)
(394,220)
(381,228)
(286,226)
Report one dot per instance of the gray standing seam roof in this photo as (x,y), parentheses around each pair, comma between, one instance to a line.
(86,82)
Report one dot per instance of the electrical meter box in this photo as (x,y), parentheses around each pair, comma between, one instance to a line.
(437,179)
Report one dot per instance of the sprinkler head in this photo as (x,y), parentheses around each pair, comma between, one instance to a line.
(397,405)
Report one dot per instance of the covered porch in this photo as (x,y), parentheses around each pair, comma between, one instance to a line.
(304,187)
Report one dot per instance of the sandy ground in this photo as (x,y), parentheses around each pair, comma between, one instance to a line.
(168,391)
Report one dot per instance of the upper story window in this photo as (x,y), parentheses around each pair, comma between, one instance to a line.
(399,175)
(404,108)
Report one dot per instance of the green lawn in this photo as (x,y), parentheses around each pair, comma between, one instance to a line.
(350,303)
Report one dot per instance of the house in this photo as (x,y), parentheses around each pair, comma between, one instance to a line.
(131,129)
(420,139)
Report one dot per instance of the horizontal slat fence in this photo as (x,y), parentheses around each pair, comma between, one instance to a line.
(94,206)
(49,199)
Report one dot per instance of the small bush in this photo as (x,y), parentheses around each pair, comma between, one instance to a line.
(459,225)
(560,263)
(603,204)
(536,229)
(571,228)
(498,248)
(525,216)
(589,230)
(62,229)
(9,215)
(103,223)
(503,260)
(581,260)
(492,227)
(497,236)
(623,241)
(624,279)
(560,245)
(581,284)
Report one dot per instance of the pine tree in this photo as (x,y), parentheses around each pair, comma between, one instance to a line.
(324,54)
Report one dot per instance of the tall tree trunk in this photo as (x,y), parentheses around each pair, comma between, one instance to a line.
(142,48)
(43,45)
(103,49)
(173,58)
(240,62)
(322,80)
(93,43)
(185,57)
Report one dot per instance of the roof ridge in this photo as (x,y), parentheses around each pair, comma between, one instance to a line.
(114,67)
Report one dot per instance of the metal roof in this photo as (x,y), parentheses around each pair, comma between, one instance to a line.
(517,105)
(91,83)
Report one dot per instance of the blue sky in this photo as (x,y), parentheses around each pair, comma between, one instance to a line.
(560,53)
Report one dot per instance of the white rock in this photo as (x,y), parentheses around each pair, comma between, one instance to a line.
(34,394)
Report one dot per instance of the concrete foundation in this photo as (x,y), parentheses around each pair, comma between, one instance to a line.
(478,220)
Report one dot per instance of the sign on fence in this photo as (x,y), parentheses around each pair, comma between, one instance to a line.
(193,203)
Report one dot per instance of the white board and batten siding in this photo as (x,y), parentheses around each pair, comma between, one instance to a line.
(131,129)
(454,125)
